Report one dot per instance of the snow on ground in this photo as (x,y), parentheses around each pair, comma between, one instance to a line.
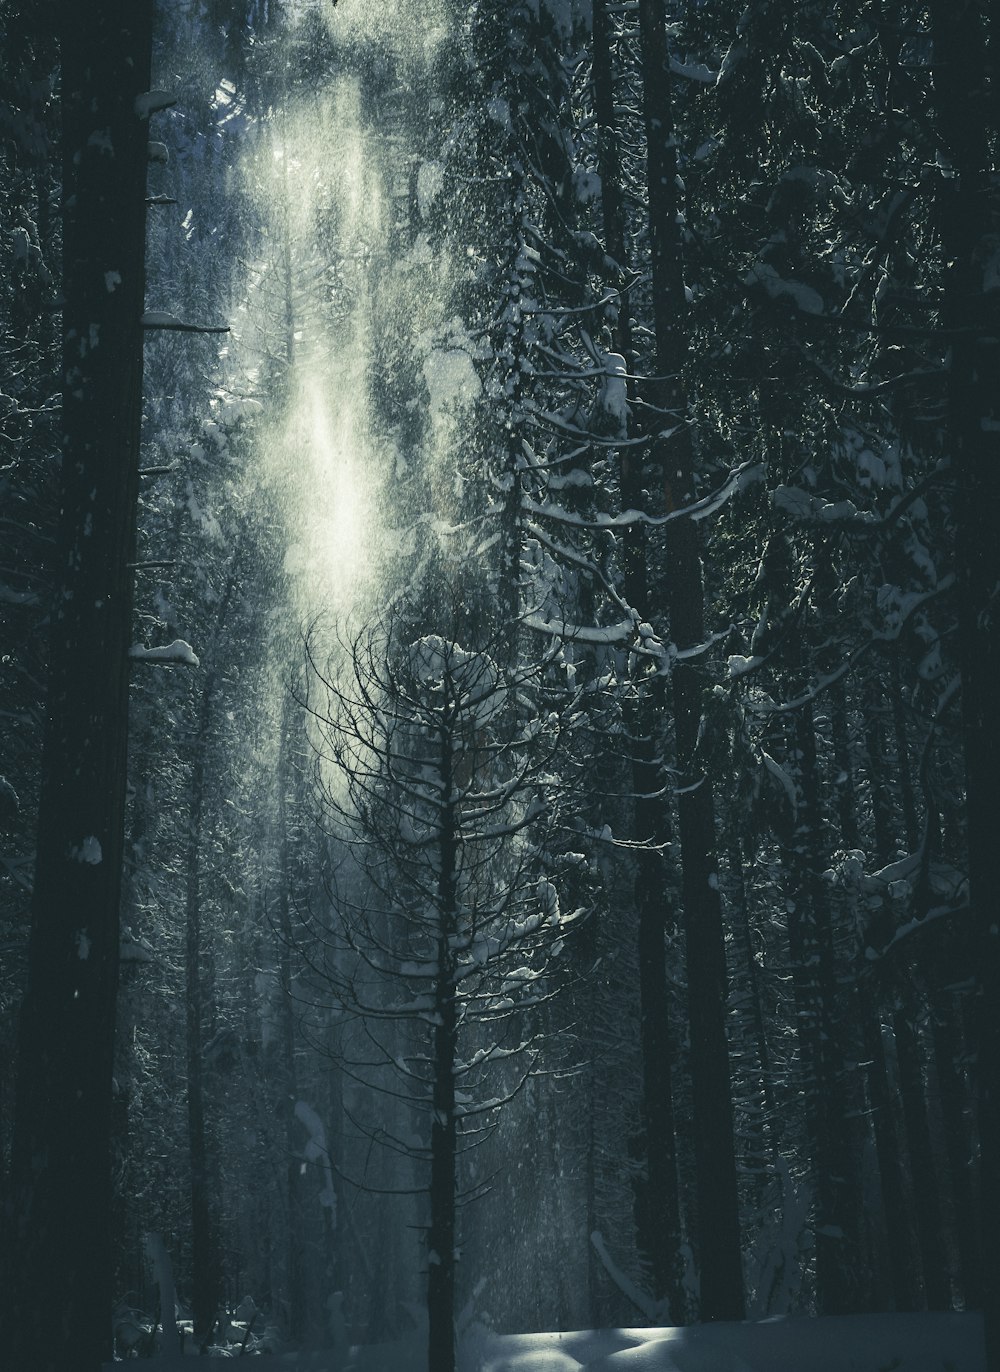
(852,1343)
(848,1343)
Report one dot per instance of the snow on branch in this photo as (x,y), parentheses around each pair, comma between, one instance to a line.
(738,480)
(8,596)
(694,71)
(152,102)
(915,925)
(901,610)
(161,319)
(803,297)
(623,632)
(176,654)
(801,504)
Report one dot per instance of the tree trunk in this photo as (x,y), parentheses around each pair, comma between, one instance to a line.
(719,1252)
(743,934)
(967,119)
(205,1276)
(658,1217)
(888,1145)
(58,1290)
(658,1220)
(926,1192)
(847,818)
(289,1092)
(889,1155)
(811,946)
(612,205)
(953,1097)
(907,798)
(441,1233)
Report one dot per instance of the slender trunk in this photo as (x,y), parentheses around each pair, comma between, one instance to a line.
(811,946)
(850,1011)
(926,1189)
(658,1217)
(206,1275)
(205,1282)
(889,1155)
(967,110)
(517,286)
(294,1238)
(908,802)
(595,1313)
(888,1145)
(294,1234)
(764,1160)
(926,1192)
(719,1252)
(741,912)
(658,1221)
(337,1254)
(612,202)
(441,1233)
(57,1292)
(883,820)
(847,818)
(958,1146)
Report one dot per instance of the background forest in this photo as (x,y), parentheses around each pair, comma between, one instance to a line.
(551,546)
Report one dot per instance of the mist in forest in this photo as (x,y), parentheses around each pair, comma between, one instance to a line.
(341,192)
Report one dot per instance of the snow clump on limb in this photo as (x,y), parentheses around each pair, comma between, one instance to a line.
(89,851)
(473,679)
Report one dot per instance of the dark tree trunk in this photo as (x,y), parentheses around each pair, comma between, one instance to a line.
(719,1253)
(744,938)
(612,200)
(811,945)
(441,1232)
(958,1146)
(58,1289)
(289,1092)
(883,820)
(658,1218)
(904,776)
(658,1221)
(923,1172)
(595,1312)
(966,105)
(889,1155)
(205,1274)
(206,1263)
(888,1145)
(926,1191)
(844,780)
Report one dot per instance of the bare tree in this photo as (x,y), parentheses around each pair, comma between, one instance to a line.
(435,766)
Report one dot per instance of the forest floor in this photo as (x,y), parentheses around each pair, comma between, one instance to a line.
(849,1343)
